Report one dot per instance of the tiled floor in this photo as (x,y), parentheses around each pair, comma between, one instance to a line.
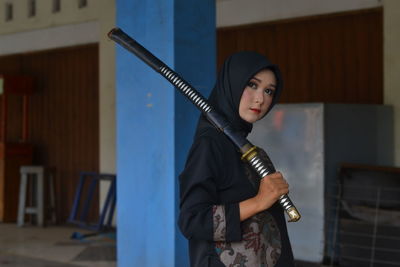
(32,246)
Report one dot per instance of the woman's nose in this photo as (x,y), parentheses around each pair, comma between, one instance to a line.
(259,98)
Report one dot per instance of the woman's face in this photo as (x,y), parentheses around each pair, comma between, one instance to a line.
(257,96)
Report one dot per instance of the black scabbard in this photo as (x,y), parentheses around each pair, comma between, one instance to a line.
(249,152)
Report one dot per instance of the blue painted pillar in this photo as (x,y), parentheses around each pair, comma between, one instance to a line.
(155,124)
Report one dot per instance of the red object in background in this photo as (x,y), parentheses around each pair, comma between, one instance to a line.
(15,150)
(278,120)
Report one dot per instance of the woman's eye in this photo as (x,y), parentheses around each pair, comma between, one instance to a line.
(252,85)
(269,91)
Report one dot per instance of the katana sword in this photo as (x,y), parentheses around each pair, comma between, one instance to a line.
(249,151)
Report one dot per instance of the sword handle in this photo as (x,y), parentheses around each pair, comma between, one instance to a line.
(263,167)
(259,165)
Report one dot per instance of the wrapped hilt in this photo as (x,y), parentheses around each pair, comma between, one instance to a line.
(264,167)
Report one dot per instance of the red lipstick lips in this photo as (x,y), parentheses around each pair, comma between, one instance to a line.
(255,110)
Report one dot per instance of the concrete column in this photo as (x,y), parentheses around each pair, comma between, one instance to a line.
(391,39)
(155,124)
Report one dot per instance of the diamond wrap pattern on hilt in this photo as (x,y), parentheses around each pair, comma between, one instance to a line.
(264,167)
(185,89)
(284,200)
(261,168)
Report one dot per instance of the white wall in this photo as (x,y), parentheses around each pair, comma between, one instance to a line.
(49,38)
(107,135)
(45,18)
(391,37)
(237,12)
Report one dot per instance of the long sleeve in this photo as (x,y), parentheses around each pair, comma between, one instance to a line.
(202,214)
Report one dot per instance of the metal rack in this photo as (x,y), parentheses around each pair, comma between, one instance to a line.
(367,217)
(83,202)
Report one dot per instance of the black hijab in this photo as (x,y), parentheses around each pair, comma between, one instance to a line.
(233,77)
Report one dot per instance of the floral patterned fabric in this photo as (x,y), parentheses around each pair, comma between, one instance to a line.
(219,222)
(261,238)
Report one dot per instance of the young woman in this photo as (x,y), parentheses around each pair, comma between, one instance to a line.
(229,215)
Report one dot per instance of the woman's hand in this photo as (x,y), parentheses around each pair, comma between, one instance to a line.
(271,188)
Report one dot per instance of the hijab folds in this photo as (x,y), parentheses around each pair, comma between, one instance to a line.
(233,77)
